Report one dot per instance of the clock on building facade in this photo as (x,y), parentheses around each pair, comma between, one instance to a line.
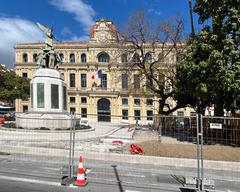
(103,31)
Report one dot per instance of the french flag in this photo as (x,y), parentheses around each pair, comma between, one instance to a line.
(97,75)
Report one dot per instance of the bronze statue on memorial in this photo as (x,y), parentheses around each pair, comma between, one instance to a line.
(48,57)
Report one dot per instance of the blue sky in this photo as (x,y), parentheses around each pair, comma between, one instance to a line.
(72,19)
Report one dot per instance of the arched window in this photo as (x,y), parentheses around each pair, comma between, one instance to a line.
(148,58)
(83,58)
(124,58)
(35,58)
(136,58)
(160,56)
(25,58)
(104,110)
(61,55)
(72,58)
(103,57)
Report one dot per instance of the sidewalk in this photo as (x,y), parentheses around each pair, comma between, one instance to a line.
(48,144)
(136,159)
(123,133)
(99,139)
(100,130)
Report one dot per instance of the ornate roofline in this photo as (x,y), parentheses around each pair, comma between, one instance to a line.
(87,45)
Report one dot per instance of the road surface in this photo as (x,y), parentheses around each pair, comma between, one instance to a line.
(36,175)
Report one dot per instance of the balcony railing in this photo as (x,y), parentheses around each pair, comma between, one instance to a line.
(101,89)
(74,89)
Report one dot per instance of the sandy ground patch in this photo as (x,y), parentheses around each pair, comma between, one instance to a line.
(170,147)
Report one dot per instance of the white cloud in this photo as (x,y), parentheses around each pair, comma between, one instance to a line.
(66,31)
(83,13)
(158,12)
(13,31)
(154,11)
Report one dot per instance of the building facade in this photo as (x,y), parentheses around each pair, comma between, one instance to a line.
(97,83)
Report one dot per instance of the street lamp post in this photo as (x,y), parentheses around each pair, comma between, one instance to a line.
(191,18)
(200,183)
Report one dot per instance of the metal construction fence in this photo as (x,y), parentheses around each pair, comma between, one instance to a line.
(216,130)
(167,141)
(54,132)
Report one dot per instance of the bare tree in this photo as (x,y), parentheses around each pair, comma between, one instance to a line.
(153,51)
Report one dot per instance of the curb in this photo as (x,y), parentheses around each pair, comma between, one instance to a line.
(156,161)
(43,131)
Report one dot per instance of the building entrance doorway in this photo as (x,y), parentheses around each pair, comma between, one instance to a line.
(104,110)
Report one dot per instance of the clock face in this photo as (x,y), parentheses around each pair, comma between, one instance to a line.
(102,37)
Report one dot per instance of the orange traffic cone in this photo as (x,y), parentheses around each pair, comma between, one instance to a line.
(81,174)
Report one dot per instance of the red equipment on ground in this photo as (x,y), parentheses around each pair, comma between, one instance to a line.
(134,148)
(117,142)
(2,120)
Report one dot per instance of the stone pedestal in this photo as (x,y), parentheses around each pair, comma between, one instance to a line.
(48,102)
(48,91)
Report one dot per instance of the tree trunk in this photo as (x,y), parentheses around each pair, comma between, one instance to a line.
(218,109)
(161,106)
(160,118)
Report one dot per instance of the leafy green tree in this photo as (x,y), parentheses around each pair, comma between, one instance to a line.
(211,66)
(12,86)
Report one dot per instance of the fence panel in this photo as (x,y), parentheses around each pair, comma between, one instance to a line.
(168,143)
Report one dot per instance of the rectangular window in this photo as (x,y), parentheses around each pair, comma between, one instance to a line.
(25,108)
(136,81)
(124,58)
(149,83)
(161,79)
(83,80)
(31,95)
(40,95)
(149,102)
(25,75)
(72,99)
(104,81)
(72,109)
(54,96)
(180,116)
(84,112)
(64,98)
(83,99)
(124,101)
(237,102)
(137,114)
(149,115)
(209,113)
(192,114)
(137,102)
(124,81)
(72,79)
(63,76)
(125,114)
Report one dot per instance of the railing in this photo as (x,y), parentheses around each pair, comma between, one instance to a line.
(74,89)
(101,89)
(227,134)
(167,141)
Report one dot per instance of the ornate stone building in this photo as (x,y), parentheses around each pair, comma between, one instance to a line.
(116,94)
